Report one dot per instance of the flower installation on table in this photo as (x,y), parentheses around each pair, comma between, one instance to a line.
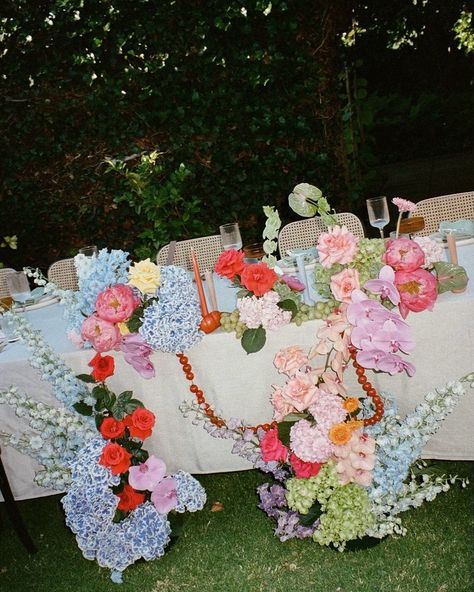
(345,464)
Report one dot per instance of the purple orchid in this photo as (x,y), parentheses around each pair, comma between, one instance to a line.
(164,495)
(385,285)
(147,475)
(136,352)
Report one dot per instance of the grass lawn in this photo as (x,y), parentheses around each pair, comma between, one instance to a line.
(235,550)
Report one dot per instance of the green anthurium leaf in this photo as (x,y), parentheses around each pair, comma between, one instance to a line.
(450,277)
(289,305)
(83,408)
(298,199)
(313,514)
(253,340)
(86,378)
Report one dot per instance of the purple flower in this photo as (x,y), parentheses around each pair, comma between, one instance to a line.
(292,282)
(136,352)
(164,495)
(384,285)
(147,475)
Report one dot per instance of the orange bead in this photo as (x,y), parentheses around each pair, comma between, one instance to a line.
(187,368)
(194,388)
(189,375)
(366,387)
(362,379)
(360,371)
(372,393)
(183,360)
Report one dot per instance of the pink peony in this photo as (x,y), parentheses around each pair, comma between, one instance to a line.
(404,205)
(116,304)
(302,469)
(310,443)
(403,254)
(343,283)
(272,448)
(300,391)
(164,495)
(103,335)
(289,360)
(338,245)
(147,475)
(418,290)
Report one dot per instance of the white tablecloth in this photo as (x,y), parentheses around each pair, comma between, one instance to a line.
(240,385)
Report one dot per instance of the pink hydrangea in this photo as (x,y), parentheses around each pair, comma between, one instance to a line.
(310,443)
(343,283)
(264,311)
(418,290)
(356,459)
(116,304)
(403,254)
(433,251)
(327,410)
(103,335)
(289,360)
(337,245)
(300,391)
(404,205)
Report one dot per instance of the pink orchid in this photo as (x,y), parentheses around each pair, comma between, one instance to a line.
(147,475)
(403,254)
(384,285)
(331,382)
(292,282)
(363,309)
(392,338)
(393,364)
(164,496)
(136,353)
(418,290)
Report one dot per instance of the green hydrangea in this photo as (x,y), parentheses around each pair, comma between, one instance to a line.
(302,493)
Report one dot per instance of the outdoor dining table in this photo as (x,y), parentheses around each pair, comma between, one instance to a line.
(239,385)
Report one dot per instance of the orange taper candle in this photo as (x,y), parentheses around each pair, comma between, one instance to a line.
(200,289)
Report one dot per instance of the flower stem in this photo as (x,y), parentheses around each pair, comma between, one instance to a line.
(398,224)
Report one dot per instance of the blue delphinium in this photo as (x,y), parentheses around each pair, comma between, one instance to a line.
(172,323)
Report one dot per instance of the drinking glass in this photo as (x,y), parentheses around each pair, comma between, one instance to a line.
(379,216)
(18,286)
(89,251)
(230,236)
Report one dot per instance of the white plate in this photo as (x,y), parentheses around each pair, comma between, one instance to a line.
(285,268)
(45,301)
(461,239)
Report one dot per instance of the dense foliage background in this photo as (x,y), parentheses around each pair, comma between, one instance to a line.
(241,101)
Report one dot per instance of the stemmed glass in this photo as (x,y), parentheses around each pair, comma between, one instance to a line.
(230,236)
(379,216)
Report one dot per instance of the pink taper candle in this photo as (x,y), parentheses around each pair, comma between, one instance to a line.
(453,254)
(200,289)
(211,289)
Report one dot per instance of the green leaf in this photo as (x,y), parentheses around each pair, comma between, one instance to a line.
(253,340)
(313,514)
(125,397)
(83,408)
(98,419)
(284,428)
(86,378)
(289,305)
(99,391)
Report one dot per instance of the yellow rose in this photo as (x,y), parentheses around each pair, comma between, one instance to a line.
(144,275)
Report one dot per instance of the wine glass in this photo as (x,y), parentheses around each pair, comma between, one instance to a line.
(89,251)
(379,215)
(230,236)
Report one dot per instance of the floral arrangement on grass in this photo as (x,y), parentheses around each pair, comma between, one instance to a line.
(346,465)
(120,502)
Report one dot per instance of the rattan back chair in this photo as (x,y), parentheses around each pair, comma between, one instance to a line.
(303,234)
(207,249)
(457,206)
(4,271)
(63,274)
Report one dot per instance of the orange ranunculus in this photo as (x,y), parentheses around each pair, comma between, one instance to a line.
(140,423)
(340,433)
(129,498)
(258,278)
(116,458)
(355,424)
(111,428)
(351,404)
(103,367)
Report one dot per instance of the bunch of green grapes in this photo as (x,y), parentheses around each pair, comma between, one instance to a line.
(230,322)
(320,310)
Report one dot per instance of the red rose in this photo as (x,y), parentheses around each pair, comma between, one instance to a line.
(104,367)
(111,428)
(140,423)
(116,458)
(258,278)
(129,498)
(230,263)
(272,447)
(303,469)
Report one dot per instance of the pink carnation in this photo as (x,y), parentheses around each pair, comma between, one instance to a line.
(116,304)
(343,283)
(327,410)
(300,391)
(281,406)
(403,254)
(103,335)
(338,245)
(310,443)
(290,360)
(404,205)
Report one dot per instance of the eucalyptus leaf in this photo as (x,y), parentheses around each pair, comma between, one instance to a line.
(253,340)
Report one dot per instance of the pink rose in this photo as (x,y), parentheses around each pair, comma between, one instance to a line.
(300,391)
(281,407)
(338,245)
(272,447)
(289,360)
(418,290)
(103,335)
(403,254)
(343,283)
(116,304)
(303,469)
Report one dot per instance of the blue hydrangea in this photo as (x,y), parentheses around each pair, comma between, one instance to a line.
(172,323)
(190,493)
